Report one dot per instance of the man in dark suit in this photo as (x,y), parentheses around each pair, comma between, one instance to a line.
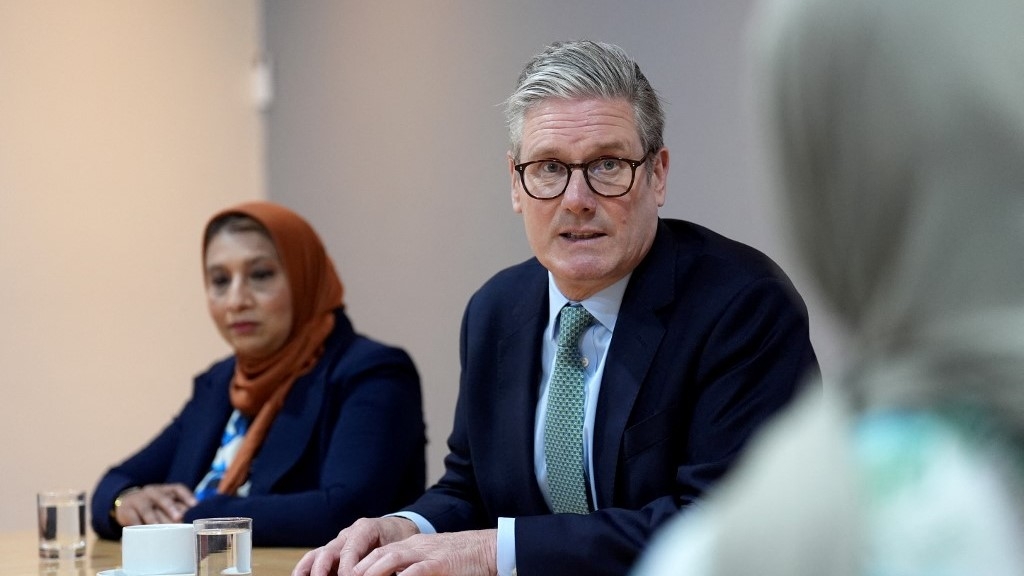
(689,341)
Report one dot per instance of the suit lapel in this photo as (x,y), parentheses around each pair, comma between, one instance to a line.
(518,368)
(638,334)
(291,430)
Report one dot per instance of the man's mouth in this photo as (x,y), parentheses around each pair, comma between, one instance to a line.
(580,235)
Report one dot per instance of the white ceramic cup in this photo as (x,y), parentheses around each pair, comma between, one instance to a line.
(158,549)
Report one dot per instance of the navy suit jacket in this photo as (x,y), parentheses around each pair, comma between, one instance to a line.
(348,442)
(711,339)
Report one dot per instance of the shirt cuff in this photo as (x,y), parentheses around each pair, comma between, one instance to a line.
(421,523)
(506,547)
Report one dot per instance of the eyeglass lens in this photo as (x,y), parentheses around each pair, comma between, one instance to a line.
(605,176)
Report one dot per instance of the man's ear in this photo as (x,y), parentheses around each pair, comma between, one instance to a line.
(514,183)
(659,175)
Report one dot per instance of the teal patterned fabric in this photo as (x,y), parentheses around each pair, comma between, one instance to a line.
(938,496)
(563,424)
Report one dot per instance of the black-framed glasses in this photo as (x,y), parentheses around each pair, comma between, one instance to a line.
(606,176)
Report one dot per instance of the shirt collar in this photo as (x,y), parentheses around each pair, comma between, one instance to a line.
(603,306)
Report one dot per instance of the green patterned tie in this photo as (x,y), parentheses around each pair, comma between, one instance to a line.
(563,425)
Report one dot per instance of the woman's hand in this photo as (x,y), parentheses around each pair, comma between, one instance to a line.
(154,504)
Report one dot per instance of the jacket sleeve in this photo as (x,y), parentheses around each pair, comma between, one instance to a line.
(454,503)
(150,465)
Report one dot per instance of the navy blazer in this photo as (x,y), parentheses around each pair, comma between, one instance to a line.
(348,442)
(711,339)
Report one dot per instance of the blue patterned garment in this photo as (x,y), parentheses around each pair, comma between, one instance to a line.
(234,433)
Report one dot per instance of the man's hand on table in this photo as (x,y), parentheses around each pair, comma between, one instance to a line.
(385,546)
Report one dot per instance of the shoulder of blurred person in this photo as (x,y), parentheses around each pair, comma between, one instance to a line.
(825,490)
(890,123)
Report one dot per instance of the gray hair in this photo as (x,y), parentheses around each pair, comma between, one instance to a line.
(586,69)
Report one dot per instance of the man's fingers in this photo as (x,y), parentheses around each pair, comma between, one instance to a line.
(351,550)
(325,562)
(305,564)
(386,560)
(341,555)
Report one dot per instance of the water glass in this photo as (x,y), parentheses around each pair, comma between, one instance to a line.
(61,523)
(223,546)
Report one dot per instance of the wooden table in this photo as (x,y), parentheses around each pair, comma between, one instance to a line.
(19,556)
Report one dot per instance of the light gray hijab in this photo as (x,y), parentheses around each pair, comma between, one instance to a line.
(896,128)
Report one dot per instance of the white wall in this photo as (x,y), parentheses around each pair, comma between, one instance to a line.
(123,126)
(387,132)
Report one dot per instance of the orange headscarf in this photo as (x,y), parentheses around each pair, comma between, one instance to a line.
(260,386)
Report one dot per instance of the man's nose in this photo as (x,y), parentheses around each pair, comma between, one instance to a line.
(578,195)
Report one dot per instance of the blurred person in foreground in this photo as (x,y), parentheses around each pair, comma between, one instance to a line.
(899,132)
(308,425)
(568,451)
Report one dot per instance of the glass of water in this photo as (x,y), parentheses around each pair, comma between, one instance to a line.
(223,546)
(61,523)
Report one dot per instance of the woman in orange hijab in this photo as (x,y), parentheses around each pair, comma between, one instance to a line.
(307,427)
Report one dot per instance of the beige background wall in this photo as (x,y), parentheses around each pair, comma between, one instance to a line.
(124,124)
